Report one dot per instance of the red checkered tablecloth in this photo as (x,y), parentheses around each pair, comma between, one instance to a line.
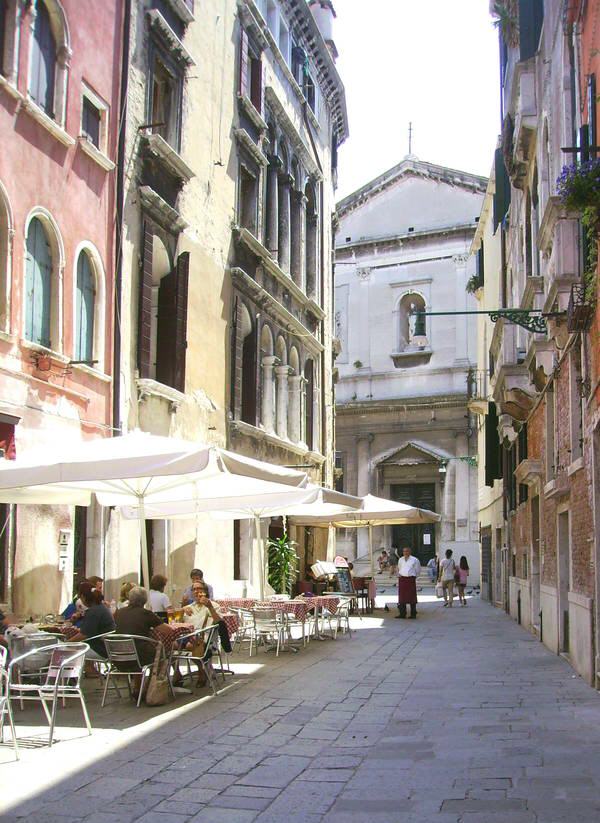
(299,607)
(237,602)
(177,630)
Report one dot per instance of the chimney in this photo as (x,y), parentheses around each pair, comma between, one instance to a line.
(324,14)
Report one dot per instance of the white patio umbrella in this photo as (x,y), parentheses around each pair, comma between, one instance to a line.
(141,469)
(374,511)
(265,499)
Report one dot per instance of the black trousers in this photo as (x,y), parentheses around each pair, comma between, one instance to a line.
(402,609)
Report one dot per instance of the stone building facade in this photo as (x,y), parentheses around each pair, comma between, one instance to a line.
(59,118)
(403,427)
(540,424)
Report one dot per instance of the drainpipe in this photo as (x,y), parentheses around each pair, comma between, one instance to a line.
(120,208)
(519,607)
(541,626)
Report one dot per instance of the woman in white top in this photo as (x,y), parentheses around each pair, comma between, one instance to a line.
(158,601)
(447,569)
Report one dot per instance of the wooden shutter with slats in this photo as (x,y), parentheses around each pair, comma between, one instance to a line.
(145,305)
(182,278)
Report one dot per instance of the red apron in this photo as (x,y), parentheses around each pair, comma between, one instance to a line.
(407,590)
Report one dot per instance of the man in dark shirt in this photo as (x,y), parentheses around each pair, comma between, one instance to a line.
(96,620)
(135,619)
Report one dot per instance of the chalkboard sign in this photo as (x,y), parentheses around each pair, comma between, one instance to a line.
(344,581)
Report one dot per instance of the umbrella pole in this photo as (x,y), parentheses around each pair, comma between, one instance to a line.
(371,549)
(260,558)
(144,545)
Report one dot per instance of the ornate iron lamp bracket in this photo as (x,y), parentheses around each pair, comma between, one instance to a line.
(535,323)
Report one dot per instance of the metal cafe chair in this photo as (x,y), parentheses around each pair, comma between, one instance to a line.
(269,624)
(210,636)
(122,651)
(245,630)
(30,660)
(340,619)
(3,657)
(62,681)
(6,710)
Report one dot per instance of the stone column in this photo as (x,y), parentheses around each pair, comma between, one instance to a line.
(461,492)
(363,486)
(268,392)
(271,211)
(461,353)
(295,408)
(312,255)
(298,240)
(285,185)
(282,373)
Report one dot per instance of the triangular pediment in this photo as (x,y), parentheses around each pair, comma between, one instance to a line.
(412,454)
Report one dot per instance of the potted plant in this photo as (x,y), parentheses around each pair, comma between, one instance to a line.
(578,188)
(283,564)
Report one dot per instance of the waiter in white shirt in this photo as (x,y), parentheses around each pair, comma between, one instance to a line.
(409,569)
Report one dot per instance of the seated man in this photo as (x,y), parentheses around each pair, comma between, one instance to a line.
(383,560)
(197,575)
(96,620)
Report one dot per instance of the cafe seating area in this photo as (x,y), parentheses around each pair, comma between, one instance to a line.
(43,667)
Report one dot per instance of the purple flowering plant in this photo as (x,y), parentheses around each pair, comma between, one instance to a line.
(578,185)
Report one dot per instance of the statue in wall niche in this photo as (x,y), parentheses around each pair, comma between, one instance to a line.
(412,322)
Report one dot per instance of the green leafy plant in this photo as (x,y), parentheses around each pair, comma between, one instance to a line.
(473,283)
(508,21)
(579,190)
(283,564)
(358,364)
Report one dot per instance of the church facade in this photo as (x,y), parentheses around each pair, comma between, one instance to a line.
(403,426)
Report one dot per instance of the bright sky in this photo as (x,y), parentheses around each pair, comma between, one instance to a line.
(432,62)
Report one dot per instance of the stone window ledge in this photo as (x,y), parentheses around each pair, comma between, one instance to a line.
(249,109)
(10,88)
(51,126)
(165,215)
(411,357)
(575,466)
(182,9)
(166,154)
(95,154)
(244,139)
(43,351)
(89,370)
(257,433)
(147,387)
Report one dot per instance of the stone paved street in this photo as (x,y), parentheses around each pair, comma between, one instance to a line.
(458,716)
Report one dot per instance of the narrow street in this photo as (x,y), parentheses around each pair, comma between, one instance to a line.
(458,716)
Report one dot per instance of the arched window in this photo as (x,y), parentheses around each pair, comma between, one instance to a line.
(295,393)
(268,379)
(85,309)
(249,376)
(5,260)
(412,331)
(43,61)
(38,285)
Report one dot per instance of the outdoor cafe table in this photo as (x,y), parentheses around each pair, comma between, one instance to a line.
(300,607)
(177,630)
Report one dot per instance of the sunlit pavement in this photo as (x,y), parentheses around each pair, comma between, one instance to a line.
(459,715)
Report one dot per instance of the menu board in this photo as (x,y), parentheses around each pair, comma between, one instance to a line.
(344,581)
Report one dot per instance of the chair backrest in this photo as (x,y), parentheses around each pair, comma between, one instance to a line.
(359,584)
(264,617)
(121,648)
(66,663)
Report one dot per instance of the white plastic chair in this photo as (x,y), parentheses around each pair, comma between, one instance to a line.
(62,680)
(6,710)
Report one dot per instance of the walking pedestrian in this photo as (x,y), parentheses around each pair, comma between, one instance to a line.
(433,569)
(447,569)
(463,574)
(409,569)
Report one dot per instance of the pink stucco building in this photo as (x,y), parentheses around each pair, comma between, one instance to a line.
(60,66)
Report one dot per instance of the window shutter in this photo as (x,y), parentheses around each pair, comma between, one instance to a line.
(182,278)
(592,105)
(492,447)
(145,306)
(244,58)
(85,300)
(43,61)
(38,278)
(166,330)
(531,18)
(256,83)
(502,193)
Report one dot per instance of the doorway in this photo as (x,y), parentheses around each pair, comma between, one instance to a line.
(564,583)
(420,538)
(487,589)
(535,563)
(79,546)
(498,597)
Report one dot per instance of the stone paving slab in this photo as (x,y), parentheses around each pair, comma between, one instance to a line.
(458,717)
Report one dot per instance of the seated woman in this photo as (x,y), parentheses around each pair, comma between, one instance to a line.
(124,594)
(202,614)
(159,601)
(75,610)
(96,620)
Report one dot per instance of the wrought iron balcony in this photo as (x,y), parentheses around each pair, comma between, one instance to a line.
(580,310)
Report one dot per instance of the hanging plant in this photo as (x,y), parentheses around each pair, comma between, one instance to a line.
(283,564)
(578,188)
(507,21)
(474,283)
